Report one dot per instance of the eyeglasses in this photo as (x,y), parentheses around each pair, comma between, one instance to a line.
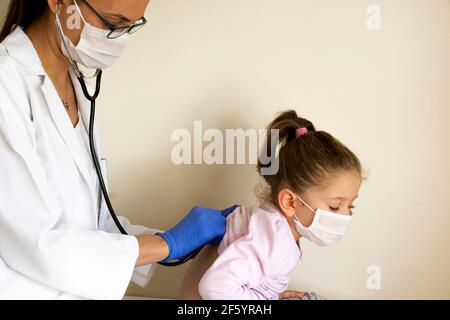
(116,31)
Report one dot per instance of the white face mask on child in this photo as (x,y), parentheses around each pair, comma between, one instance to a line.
(327,227)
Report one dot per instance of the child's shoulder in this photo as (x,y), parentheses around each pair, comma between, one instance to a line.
(266,220)
(270,229)
(264,223)
(266,212)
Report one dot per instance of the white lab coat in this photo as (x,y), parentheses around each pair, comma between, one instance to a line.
(55,243)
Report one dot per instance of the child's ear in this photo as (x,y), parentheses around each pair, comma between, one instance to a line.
(287,202)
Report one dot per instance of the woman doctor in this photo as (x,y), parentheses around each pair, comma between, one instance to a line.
(57,239)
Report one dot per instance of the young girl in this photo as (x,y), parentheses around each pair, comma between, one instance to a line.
(310,196)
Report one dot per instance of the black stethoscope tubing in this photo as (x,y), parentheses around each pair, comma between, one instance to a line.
(92,99)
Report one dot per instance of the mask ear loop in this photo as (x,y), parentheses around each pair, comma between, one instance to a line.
(305,204)
(79,11)
(61,35)
(72,61)
(295,216)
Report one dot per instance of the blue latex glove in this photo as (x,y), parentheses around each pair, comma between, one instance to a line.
(201,226)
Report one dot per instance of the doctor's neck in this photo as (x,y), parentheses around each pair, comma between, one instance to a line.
(46,41)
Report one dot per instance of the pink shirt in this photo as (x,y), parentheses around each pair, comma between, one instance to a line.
(256,257)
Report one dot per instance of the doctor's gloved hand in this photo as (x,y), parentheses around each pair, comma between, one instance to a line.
(200,227)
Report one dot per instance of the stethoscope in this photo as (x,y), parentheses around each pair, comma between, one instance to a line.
(92,99)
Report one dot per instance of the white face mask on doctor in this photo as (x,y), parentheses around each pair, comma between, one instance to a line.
(327,227)
(94,50)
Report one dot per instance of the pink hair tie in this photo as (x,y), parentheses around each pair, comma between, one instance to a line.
(301,132)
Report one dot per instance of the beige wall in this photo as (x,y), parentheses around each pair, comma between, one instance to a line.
(235,64)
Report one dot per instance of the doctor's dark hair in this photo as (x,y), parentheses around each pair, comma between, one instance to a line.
(306,160)
(22,13)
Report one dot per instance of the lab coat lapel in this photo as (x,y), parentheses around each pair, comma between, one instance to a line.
(19,46)
(65,127)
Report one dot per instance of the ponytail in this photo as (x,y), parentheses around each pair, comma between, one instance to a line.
(21,13)
(305,160)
